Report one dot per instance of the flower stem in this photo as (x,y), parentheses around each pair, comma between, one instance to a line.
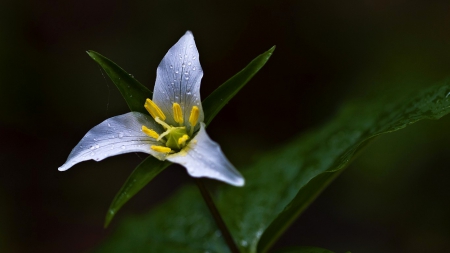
(215,213)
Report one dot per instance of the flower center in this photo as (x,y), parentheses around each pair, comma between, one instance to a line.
(174,138)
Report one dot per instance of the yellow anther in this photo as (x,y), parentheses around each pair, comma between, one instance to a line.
(161,149)
(194,116)
(177,114)
(182,140)
(154,110)
(150,132)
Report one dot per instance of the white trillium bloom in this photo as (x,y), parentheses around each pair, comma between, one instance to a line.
(175,130)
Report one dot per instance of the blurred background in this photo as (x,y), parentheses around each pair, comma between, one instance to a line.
(393,198)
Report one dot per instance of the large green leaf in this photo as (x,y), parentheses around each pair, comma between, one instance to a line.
(279,186)
(135,94)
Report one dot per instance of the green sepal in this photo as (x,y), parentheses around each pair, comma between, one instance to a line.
(131,89)
(222,95)
(141,176)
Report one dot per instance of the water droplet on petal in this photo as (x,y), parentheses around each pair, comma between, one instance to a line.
(187,78)
(186,73)
(189,63)
(171,66)
(176,72)
(123,147)
(193,68)
(92,147)
(109,124)
(97,146)
(184,65)
(193,57)
(120,135)
(190,46)
(131,75)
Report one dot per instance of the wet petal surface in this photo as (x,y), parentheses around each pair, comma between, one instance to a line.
(178,79)
(114,136)
(203,157)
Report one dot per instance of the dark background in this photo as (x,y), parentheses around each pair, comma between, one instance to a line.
(393,198)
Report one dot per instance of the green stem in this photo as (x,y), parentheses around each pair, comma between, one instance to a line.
(215,213)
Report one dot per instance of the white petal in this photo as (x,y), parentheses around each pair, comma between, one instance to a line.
(178,79)
(204,158)
(114,136)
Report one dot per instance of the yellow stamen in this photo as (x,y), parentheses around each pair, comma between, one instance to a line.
(162,123)
(154,110)
(194,116)
(182,140)
(150,132)
(177,114)
(161,149)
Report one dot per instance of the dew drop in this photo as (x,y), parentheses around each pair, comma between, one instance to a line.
(185,55)
(97,146)
(92,147)
(176,72)
(109,124)
(92,154)
(187,78)
(193,68)
(172,83)
(190,46)
(193,57)
(123,147)
(171,66)
(131,75)
(189,63)
(186,73)
(120,135)
(188,93)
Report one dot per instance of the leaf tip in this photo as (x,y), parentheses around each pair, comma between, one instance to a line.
(109,216)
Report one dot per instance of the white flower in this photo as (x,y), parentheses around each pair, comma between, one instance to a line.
(175,130)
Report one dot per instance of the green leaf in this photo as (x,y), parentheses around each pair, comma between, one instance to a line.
(220,97)
(140,177)
(135,94)
(304,250)
(280,185)
(131,89)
